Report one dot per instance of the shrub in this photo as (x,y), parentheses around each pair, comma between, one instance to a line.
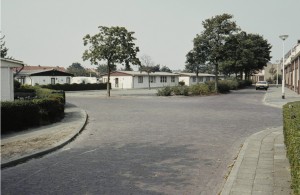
(17,84)
(181,83)
(19,115)
(180,90)
(223,86)
(291,131)
(199,89)
(76,87)
(166,91)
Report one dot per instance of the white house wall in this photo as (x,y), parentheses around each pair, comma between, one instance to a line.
(45,80)
(80,80)
(7,86)
(188,80)
(130,82)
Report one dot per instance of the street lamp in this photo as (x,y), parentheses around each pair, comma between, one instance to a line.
(277,62)
(283,37)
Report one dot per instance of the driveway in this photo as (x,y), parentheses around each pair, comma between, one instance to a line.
(143,144)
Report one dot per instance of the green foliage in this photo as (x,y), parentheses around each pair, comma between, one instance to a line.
(113,45)
(76,87)
(19,115)
(181,83)
(180,90)
(166,91)
(199,89)
(3,48)
(17,84)
(291,130)
(102,68)
(165,69)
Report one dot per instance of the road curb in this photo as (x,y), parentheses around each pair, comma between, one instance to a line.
(55,147)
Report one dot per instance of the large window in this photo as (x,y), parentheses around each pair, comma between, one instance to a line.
(152,79)
(140,79)
(68,80)
(163,79)
(173,79)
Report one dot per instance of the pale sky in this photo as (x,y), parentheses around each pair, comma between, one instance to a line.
(50,32)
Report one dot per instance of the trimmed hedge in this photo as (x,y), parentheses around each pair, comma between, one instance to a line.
(77,87)
(291,131)
(22,114)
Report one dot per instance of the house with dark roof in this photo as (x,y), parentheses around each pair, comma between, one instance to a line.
(44,76)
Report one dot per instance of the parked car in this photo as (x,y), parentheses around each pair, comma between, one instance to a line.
(262,85)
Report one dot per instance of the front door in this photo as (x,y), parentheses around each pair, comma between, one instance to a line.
(117,82)
(52,81)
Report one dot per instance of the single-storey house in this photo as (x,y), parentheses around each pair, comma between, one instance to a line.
(7,78)
(85,80)
(136,79)
(44,77)
(191,78)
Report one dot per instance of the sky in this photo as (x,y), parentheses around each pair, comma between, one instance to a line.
(50,32)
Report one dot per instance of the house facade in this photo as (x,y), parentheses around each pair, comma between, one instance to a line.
(191,78)
(292,68)
(136,79)
(44,77)
(7,78)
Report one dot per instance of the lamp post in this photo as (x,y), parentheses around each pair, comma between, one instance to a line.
(277,62)
(283,37)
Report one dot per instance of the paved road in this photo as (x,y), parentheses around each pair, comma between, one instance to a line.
(147,145)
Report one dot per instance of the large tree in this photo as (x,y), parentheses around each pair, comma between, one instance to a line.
(147,65)
(245,54)
(165,69)
(3,48)
(113,45)
(77,69)
(195,63)
(211,41)
(102,68)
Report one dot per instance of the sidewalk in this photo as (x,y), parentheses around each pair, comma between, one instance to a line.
(20,147)
(262,166)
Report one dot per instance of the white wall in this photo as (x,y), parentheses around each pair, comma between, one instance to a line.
(45,80)
(7,84)
(188,80)
(130,82)
(80,80)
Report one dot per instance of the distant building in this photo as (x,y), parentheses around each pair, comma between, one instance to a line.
(136,79)
(191,78)
(43,75)
(292,68)
(7,78)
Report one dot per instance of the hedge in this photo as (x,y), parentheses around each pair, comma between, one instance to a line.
(76,87)
(22,114)
(291,131)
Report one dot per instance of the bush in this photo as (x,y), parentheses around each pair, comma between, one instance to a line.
(19,115)
(181,83)
(17,84)
(199,89)
(76,87)
(223,86)
(291,131)
(166,91)
(180,90)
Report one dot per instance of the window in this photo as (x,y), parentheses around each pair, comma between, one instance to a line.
(52,81)
(201,79)
(68,80)
(163,79)
(152,79)
(140,79)
(194,79)
(173,79)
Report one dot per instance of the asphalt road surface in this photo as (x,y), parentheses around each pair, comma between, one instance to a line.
(147,145)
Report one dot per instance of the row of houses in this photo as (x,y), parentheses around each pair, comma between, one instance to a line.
(43,75)
(292,68)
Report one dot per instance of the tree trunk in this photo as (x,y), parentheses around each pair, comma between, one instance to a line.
(197,76)
(217,79)
(108,79)
(149,81)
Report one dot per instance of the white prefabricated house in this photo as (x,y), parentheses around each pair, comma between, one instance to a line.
(85,80)
(191,78)
(136,79)
(44,77)
(7,78)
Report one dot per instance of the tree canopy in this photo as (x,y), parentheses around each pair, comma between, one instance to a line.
(222,48)
(3,48)
(114,45)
